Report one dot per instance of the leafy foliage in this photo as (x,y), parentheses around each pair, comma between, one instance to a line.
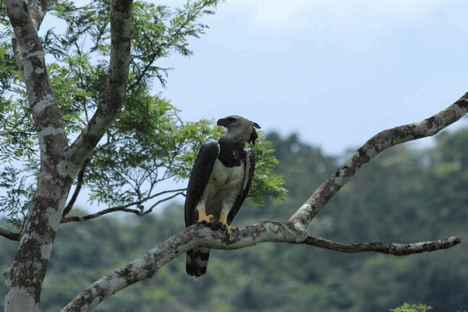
(148,143)
(412,308)
(265,183)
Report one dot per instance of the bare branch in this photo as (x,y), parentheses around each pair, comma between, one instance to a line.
(160,202)
(212,236)
(10,235)
(386,248)
(126,208)
(369,150)
(100,213)
(165,192)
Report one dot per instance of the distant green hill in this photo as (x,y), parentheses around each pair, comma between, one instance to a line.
(403,195)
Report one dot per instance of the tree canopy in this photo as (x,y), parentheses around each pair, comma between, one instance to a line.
(146,144)
(88,118)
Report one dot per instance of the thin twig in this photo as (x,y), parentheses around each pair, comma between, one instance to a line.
(98,214)
(79,184)
(161,201)
(125,208)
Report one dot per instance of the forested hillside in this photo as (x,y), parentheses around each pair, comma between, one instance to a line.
(403,196)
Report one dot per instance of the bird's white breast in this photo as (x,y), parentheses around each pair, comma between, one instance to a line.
(222,175)
(223,181)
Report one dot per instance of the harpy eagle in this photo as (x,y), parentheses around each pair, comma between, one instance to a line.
(219,183)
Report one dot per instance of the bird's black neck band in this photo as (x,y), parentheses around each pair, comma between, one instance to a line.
(232,153)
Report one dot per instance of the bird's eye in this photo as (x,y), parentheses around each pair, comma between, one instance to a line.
(231,120)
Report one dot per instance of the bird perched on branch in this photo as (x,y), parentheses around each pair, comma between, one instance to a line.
(219,183)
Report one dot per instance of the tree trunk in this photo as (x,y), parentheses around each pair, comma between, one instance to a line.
(59,162)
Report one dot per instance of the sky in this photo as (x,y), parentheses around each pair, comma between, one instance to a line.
(334,72)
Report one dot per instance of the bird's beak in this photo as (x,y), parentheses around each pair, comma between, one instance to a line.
(222,122)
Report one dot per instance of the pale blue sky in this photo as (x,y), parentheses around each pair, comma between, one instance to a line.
(336,72)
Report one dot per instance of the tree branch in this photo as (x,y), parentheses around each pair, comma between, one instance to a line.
(214,237)
(100,213)
(386,248)
(113,98)
(42,102)
(10,235)
(160,202)
(37,9)
(369,150)
(125,208)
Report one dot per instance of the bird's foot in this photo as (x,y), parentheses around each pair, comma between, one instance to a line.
(230,228)
(223,219)
(203,217)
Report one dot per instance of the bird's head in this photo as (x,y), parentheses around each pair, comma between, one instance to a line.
(239,129)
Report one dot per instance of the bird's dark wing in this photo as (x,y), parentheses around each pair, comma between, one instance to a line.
(250,168)
(201,172)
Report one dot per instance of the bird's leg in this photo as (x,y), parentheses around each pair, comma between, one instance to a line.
(203,217)
(223,219)
(201,207)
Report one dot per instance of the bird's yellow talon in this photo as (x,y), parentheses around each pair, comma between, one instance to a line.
(203,217)
(223,219)
(230,228)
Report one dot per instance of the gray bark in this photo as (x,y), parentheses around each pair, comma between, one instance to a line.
(24,278)
(59,163)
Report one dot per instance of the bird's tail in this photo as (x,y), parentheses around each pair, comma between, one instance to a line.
(196,262)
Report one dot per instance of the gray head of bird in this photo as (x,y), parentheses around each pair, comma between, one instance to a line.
(239,129)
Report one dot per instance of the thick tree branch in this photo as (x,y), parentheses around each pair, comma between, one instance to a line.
(374,146)
(214,237)
(113,98)
(37,10)
(42,102)
(10,235)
